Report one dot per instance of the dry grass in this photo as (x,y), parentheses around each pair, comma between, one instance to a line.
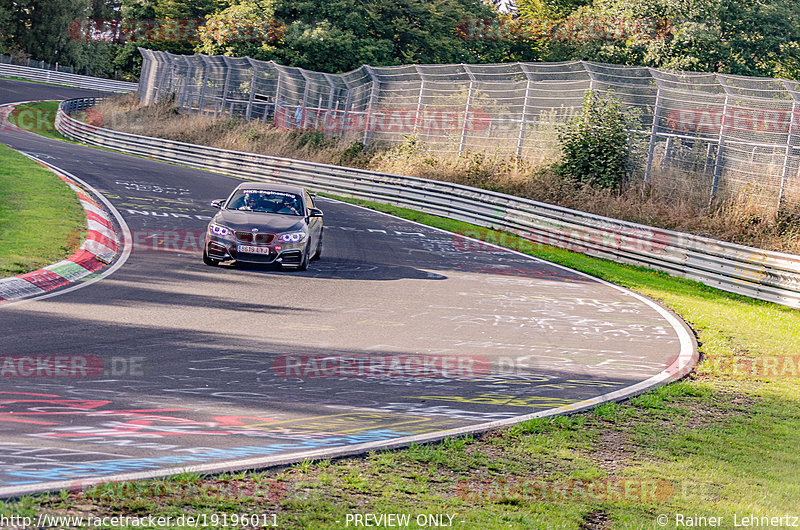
(667,203)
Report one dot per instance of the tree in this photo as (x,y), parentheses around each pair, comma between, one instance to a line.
(747,37)
(129,60)
(340,35)
(596,146)
(39,27)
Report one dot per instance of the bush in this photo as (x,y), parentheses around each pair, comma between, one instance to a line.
(595,145)
(354,154)
(312,139)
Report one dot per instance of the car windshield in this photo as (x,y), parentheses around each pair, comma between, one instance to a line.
(266,201)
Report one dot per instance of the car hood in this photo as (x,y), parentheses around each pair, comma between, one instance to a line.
(265,222)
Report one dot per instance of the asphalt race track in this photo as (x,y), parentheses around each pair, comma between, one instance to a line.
(399,332)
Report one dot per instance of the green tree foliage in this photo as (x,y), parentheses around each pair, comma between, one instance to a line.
(340,35)
(750,37)
(548,9)
(127,57)
(747,37)
(38,27)
(595,144)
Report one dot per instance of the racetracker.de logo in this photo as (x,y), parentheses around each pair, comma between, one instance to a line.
(644,239)
(572,29)
(734,119)
(393,366)
(174,30)
(568,489)
(51,366)
(187,241)
(388,120)
(69,366)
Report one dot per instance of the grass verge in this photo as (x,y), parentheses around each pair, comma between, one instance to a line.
(38,117)
(41,220)
(12,78)
(721,443)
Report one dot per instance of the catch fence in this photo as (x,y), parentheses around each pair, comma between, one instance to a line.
(698,134)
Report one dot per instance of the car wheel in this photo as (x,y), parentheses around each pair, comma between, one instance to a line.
(304,263)
(318,253)
(209,261)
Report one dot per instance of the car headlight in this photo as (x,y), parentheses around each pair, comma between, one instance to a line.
(293,237)
(218,230)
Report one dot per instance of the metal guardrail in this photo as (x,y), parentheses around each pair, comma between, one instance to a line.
(751,272)
(64,78)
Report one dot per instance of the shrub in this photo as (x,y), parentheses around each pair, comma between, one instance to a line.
(595,145)
(353,154)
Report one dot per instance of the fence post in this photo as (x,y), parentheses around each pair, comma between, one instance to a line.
(522,121)
(793,126)
(588,71)
(654,129)
(185,89)
(720,141)
(467,109)
(373,94)
(228,72)
(204,82)
(277,93)
(171,83)
(419,98)
(162,81)
(250,99)
(304,106)
(331,97)
(348,101)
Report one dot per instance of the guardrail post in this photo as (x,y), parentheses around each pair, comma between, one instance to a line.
(522,121)
(653,130)
(720,141)
(373,94)
(467,110)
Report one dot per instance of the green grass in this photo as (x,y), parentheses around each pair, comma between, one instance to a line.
(38,117)
(719,444)
(41,220)
(12,78)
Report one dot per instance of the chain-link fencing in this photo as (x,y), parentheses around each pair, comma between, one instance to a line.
(698,134)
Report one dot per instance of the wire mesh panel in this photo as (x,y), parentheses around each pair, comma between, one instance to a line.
(703,134)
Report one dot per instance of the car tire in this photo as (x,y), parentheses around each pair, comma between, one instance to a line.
(208,261)
(318,253)
(304,262)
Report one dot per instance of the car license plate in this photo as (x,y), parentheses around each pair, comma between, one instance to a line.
(252,250)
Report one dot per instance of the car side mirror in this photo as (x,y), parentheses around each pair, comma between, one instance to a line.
(314,212)
(217,203)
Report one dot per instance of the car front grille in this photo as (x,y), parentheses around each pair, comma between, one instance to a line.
(249,237)
(245,237)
